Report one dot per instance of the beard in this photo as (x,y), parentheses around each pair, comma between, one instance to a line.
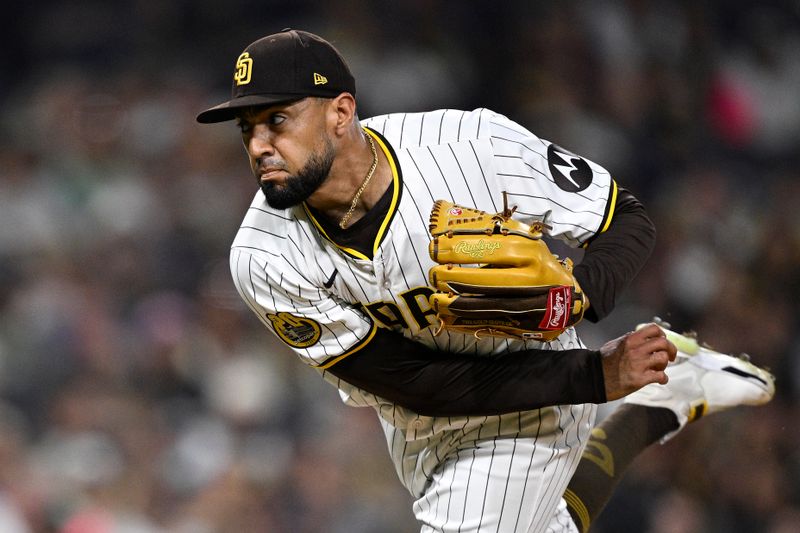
(298,187)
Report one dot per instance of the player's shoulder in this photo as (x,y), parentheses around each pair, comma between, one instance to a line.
(265,230)
(439,126)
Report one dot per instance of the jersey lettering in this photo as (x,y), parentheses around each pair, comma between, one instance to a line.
(387,314)
(419,306)
(414,305)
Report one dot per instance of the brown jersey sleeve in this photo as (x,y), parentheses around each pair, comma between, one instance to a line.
(435,383)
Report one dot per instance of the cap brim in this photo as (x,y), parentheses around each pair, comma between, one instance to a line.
(229,110)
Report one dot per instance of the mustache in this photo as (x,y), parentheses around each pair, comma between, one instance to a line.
(265,163)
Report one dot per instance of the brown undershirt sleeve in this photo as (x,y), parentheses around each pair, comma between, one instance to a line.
(614,257)
(434,383)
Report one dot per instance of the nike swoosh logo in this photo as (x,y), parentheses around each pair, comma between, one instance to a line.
(328,284)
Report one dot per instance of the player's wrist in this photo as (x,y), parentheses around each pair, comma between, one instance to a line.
(599,373)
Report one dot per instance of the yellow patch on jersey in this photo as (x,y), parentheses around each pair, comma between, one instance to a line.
(298,332)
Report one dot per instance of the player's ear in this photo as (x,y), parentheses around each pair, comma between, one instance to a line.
(343,111)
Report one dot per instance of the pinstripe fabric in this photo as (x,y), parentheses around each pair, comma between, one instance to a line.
(477,472)
(511,484)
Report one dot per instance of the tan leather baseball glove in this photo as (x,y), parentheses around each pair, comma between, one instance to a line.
(497,277)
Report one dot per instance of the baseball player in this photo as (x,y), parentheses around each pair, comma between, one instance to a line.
(332,256)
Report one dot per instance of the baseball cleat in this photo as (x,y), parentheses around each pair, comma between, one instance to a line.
(703,381)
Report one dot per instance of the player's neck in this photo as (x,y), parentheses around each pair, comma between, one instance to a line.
(348,172)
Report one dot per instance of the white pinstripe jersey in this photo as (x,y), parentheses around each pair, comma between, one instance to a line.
(326,301)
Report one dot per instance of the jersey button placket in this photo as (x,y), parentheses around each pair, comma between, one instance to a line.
(381,278)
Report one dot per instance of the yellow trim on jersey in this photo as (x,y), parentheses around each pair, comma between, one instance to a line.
(350,251)
(612,204)
(395,198)
(329,363)
(395,194)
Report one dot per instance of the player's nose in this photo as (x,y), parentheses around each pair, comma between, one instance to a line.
(260,142)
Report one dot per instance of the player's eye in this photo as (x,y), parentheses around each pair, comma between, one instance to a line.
(276,118)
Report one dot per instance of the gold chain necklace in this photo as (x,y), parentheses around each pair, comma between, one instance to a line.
(346,218)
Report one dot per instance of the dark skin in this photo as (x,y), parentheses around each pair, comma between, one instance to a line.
(284,139)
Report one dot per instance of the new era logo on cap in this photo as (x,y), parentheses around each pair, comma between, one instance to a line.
(319,79)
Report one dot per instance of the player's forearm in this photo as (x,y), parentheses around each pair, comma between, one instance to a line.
(434,383)
(616,256)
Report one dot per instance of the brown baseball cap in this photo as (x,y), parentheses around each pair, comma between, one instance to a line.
(282,67)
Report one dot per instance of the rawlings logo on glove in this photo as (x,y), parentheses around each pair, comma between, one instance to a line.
(478,249)
(496,276)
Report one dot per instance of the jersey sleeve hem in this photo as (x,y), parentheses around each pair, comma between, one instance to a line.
(608,215)
(358,346)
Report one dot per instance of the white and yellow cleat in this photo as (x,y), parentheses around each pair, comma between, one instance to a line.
(703,381)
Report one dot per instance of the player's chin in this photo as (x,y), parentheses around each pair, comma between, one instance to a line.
(281,196)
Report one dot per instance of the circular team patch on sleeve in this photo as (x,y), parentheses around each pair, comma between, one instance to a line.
(296,331)
(570,172)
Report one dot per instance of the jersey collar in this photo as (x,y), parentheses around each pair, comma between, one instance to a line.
(396,186)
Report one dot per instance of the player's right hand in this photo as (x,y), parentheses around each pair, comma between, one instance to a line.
(636,359)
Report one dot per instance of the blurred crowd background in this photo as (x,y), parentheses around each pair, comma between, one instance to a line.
(138,395)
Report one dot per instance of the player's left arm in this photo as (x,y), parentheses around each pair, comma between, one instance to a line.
(615,256)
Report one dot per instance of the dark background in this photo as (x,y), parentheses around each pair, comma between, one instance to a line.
(138,395)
